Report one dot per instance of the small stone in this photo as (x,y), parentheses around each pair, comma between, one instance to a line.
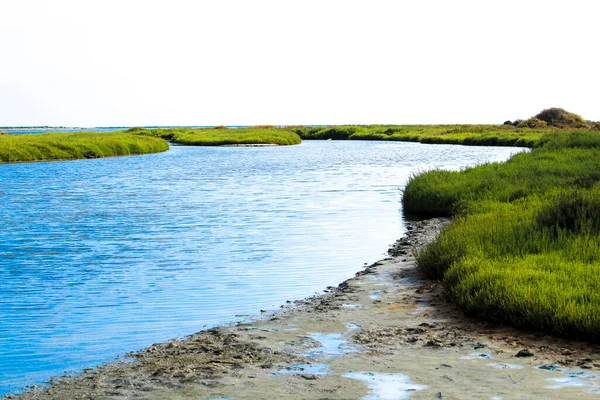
(524,353)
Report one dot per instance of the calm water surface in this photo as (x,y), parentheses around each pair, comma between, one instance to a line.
(100,257)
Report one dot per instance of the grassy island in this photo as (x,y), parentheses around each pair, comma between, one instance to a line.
(524,244)
(221,136)
(71,146)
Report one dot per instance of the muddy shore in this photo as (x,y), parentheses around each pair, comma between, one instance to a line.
(385,334)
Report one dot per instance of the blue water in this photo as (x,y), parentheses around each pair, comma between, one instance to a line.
(100,257)
(36,130)
(55,130)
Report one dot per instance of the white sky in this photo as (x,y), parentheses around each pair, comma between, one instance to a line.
(248,62)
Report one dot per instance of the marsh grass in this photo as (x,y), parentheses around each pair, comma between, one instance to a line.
(70,146)
(221,136)
(524,245)
(483,135)
(480,135)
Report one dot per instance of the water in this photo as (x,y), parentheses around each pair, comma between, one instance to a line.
(386,386)
(100,257)
(36,130)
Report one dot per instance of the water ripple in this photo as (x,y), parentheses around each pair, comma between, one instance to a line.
(100,257)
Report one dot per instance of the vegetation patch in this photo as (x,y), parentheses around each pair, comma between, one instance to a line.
(70,146)
(524,245)
(221,136)
(474,135)
(561,118)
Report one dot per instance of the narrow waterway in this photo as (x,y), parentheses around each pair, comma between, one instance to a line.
(100,257)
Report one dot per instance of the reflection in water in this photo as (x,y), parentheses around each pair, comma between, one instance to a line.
(100,257)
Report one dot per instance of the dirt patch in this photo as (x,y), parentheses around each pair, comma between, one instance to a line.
(387,333)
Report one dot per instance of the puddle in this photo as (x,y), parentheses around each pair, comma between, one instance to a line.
(383,284)
(410,281)
(311,369)
(570,374)
(386,386)
(506,366)
(376,295)
(352,305)
(579,374)
(547,367)
(332,345)
(369,279)
(477,356)
(353,326)
(567,381)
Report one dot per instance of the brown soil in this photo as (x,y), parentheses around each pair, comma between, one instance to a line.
(387,324)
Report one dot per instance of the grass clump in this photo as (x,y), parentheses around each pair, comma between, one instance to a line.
(70,146)
(220,136)
(524,245)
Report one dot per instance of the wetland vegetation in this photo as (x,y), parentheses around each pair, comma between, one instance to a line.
(222,136)
(482,135)
(71,146)
(524,245)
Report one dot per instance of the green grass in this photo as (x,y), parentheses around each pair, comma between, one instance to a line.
(222,136)
(70,146)
(482,135)
(524,245)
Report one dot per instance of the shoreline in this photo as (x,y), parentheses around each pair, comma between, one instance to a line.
(386,332)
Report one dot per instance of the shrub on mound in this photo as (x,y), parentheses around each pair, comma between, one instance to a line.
(560,118)
(532,123)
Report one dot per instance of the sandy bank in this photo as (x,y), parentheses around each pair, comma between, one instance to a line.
(387,334)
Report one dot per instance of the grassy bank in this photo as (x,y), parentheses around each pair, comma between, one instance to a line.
(70,146)
(222,136)
(524,246)
(482,135)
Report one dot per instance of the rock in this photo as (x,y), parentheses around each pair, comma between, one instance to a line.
(524,353)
